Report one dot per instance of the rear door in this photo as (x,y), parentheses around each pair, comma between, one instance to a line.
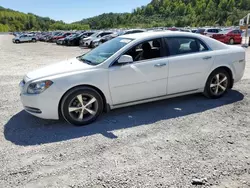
(237,36)
(23,38)
(189,61)
(29,38)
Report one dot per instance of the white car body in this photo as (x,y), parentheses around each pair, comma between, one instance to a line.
(209,31)
(24,38)
(87,42)
(134,83)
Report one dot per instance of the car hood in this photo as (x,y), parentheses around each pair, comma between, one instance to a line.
(67,66)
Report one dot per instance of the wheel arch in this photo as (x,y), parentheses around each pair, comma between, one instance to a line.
(106,105)
(228,69)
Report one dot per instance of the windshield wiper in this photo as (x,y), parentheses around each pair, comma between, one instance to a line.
(85,61)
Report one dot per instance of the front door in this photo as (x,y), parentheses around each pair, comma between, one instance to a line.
(23,38)
(145,78)
(189,61)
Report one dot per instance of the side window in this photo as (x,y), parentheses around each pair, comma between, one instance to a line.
(201,46)
(146,50)
(184,45)
(236,32)
(209,30)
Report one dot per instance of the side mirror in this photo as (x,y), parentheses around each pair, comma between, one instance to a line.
(125,59)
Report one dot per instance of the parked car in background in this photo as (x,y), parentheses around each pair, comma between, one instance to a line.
(106,38)
(229,36)
(75,41)
(42,36)
(103,39)
(63,35)
(24,38)
(50,37)
(88,42)
(130,70)
(64,40)
(208,31)
(184,30)
(132,31)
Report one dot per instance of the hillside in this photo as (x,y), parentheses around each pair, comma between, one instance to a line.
(157,13)
(176,13)
(11,20)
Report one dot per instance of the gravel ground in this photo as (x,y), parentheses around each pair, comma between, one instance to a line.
(170,143)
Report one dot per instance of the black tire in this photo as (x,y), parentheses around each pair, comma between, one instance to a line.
(231,41)
(33,40)
(212,84)
(91,45)
(17,41)
(71,98)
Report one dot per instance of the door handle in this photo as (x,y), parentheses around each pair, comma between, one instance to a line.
(160,65)
(207,57)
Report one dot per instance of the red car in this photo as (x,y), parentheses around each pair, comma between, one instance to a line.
(55,38)
(228,36)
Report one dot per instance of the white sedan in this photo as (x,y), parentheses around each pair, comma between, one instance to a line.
(129,70)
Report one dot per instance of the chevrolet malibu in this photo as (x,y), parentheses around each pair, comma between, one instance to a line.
(130,70)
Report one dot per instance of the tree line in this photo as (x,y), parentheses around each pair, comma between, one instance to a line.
(11,20)
(177,13)
(158,13)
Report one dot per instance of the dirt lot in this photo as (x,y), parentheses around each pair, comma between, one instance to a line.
(161,144)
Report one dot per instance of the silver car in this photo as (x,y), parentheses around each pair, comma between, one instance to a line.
(24,38)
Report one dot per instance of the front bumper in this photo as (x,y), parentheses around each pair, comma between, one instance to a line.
(43,105)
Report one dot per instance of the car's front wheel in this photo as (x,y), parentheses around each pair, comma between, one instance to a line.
(81,106)
(217,84)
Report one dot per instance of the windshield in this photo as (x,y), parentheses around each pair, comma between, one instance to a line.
(104,51)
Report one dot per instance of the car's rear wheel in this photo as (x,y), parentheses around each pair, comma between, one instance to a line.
(231,41)
(33,40)
(217,84)
(81,106)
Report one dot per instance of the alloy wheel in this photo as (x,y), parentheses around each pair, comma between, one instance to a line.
(83,107)
(219,84)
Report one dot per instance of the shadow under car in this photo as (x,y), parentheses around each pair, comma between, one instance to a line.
(24,129)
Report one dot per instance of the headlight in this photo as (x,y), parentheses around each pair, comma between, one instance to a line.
(39,87)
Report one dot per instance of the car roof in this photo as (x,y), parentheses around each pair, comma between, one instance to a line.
(210,42)
(147,35)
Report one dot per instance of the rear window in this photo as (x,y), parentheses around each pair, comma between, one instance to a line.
(184,45)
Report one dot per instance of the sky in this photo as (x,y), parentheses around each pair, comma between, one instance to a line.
(72,10)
